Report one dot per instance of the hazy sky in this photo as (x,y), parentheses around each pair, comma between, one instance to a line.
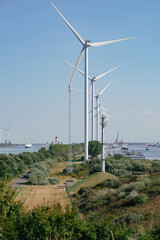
(34,41)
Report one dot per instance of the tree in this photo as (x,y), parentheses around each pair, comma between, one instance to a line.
(94,148)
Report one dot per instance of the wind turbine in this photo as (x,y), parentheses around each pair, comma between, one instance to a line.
(1,130)
(85,45)
(93,79)
(98,108)
(7,135)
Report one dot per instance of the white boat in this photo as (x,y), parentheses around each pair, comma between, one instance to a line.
(29,145)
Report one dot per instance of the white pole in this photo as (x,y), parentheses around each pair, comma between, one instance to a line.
(97,118)
(92,110)
(86,105)
(102,144)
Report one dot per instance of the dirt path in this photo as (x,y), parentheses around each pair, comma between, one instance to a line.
(20,182)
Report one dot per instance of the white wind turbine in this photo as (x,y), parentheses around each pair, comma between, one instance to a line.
(98,110)
(7,132)
(85,45)
(1,130)
(92,93)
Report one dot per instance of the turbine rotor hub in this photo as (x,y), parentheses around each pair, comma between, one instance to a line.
(87,43)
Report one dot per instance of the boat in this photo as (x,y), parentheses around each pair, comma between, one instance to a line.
(147,147)
(134,155)
(124,146)
(29,145)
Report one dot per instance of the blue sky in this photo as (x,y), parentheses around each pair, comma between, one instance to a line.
(34,41)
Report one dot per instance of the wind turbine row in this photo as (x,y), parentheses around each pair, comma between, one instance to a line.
(98,109)
(85,45)
(92,93)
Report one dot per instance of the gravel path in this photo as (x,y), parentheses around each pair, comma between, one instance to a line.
(20,181)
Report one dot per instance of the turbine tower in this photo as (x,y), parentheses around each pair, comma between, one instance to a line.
(85,45)
(69,131)
(92,93)
(104,124)
(98,109)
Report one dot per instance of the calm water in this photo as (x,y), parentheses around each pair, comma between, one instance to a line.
(20,149)
(153,153)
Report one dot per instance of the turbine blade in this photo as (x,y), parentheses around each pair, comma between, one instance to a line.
(105,88)
(75,69)
(69,25)
(78,90)
(103,74)
(108,42)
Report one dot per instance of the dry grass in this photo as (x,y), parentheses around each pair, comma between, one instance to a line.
(34,196)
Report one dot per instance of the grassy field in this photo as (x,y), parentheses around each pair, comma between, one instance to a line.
(90,181)
(57,172)
(32,196)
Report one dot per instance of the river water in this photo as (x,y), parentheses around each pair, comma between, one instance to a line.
(153,153)
(20,149)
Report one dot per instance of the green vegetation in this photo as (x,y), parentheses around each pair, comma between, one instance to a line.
(117,165)
(94,148)
(39,163)
(52,222)
(128,197)
(53,181)
(121,204)
(91,180)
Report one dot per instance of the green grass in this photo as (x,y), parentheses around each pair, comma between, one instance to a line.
(91,181)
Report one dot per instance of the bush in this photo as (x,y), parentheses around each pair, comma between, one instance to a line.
(118,156)
(53,181)
(129,218)
(36,176)
(132,186)
(135,198)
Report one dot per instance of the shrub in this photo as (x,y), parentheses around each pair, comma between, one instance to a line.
(120,172)
(42,166)
(121,195)
(118,156)
(132,186)
(84,190)
(129,218)
(51,162)
(135,198)
(53,181)
(36,176)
